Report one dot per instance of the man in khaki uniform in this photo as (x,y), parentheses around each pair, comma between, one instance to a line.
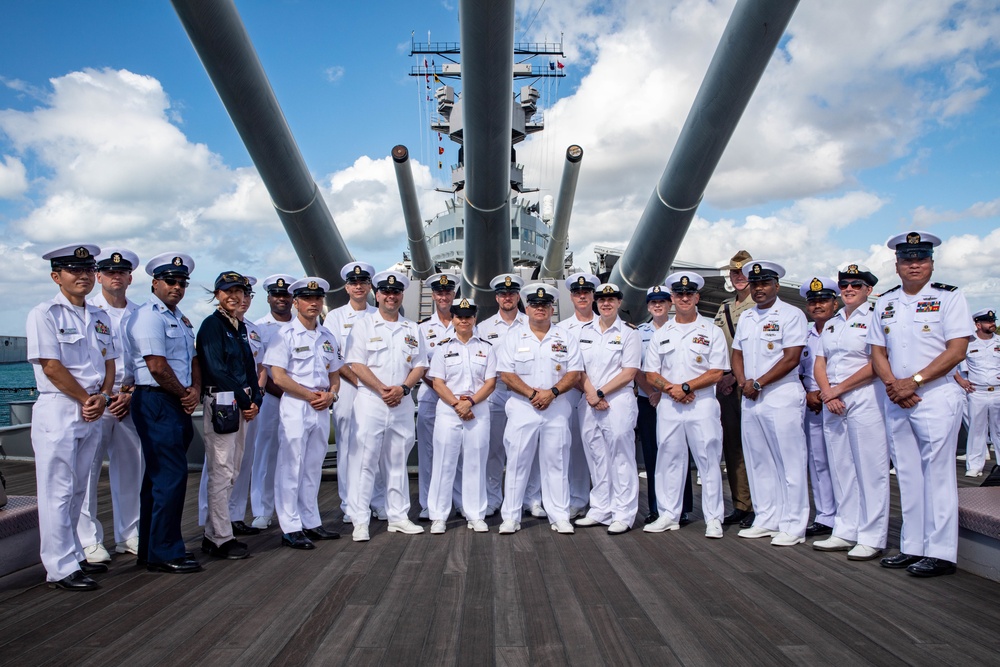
(729,394)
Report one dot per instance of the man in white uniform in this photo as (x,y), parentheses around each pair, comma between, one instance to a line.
(923,330)
(766,351)
(119,441)
(387,353)
(982,361)
(72,350)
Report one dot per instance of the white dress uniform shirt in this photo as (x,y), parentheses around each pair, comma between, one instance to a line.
(579,473)
(433,331)
(155,330)
(982,363)
(824,498)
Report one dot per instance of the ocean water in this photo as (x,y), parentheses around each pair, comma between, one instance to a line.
(17,383)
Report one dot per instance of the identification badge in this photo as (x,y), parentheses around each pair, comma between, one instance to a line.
(68,332)
(304,348)
(698,359)
(520,349)
(558,367)
(770,346)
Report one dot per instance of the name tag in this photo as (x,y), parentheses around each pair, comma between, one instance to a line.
(304,348)
(524,349)
(68,331)
(377,339)
(451,354)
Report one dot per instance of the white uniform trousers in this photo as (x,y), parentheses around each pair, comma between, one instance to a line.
(697,427)
(578,471)
(774,446)
(819,468)
(609,444)
(64,447)
(223,456)
(348,450)
(303,438)
(984,419)
(385,438)
(859,466)
(542,435)
(498,460)
(120,443)
(241,486)
(923,440)
(465,443)
(265,457)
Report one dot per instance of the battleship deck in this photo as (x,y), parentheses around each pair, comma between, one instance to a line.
(532,598)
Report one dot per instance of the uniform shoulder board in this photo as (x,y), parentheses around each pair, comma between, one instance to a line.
(630,325)
(483,340)
(445,340)
(889,291)
(423,320)
(942,286)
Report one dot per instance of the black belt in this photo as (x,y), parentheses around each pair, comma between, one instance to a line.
(152,388)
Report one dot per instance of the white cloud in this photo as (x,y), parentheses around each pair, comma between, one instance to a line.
(334,74)
(925,217)
(13,178)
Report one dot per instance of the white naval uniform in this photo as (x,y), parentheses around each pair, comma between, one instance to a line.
(855,441)
(265,441)
(384,435)
(983,364)
(530,432)
(914,330)
(310,358)
(341,321)
(81,339)
(681,353)
(579,473)
(464,368)
(120,443)
(433,331)
(774,443)
(819,465)
(609,435)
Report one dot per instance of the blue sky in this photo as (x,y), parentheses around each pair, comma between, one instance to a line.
(868,122)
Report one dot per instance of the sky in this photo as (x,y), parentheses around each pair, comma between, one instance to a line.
(871,119)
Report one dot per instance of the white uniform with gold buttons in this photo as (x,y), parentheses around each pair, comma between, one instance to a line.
(433,331)
(983,364)
(265,443)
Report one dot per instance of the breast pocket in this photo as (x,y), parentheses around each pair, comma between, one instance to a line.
(698,354)
(523,362)
(105,344)
(377,352)
(927,323)
(771,344)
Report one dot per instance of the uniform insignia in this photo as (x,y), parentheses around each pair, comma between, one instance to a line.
(608,289)
(942,286)
(101,328)
(889,291)
(506,281)
(304,348)
(313,284)
(738,265)
(541,292)
(411,341)
(584,340)
(664,342)
(856,325)
(770,346)
(376,339)
(392,280)
(700,339)
(617,340)
(928,306)
(631,326)
(926,329)
(81,253)
(656,289)
(772,326)
(450,355)
(698,359)
(480,353)
(116,258)
(853,268)
(177,261)
(357,270)
(492,336)
(431,334)
(104,351)
(558,367)
(443,281)
(805,352)
(409,358)
(464,304)
(327,347)
(830,328)
(972,351)
(281,283)
(445,340)
(816,285)
(913,237)
(756,269)
(187,322)
(581,281)
(886,329)
(684,280)
(559,347)
(254,336)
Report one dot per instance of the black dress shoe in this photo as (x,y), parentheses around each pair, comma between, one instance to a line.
(651,517)
(230,550)
(77,581)
(93,568)
(240,528)
(748,518)
(734,517)
(297,540)
(931,567)
(142,562)
(899,561)
(685,519)
(176,566)
(320,533)
(815,529)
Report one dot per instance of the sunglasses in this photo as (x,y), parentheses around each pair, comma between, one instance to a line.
(173,282)
(853,284)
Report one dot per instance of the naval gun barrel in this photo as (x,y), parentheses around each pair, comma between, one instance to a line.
(487,34)
(420,254)
(225,49)
(552,264)
(747,44)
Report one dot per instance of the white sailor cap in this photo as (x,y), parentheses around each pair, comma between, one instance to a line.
(117,259)
(913,245)
(170,263)
(441,282)
(859,271)
(463,308)
(763,270)
(309,286)
(80,255)
(579,282)
(605,290)
(819,288)
(684,281)
(657,293)
(507,282)
(278,283)
(987,314)
(539,294)
(357,272)
(390,281)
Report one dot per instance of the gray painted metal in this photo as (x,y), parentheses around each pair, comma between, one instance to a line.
(555,254)
(747,45)
(420,253)
(225,49)
(487,38)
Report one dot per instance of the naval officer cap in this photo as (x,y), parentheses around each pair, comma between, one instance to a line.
(857,272)
(229,279)
(913,245)
(757,271)
(507,282)
(657,293)
(984,315)
(278,284)
(608,290)
(170,264)
(82,256)
(539,294)
(390,281)
(117,259)
(250,282)
(442,282)
(357,272)
(685,281)
(818,288)
(737,262)
(309,286)
(583,282)
(463,308)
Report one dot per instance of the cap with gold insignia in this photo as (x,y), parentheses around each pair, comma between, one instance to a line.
(442,282)
(463,308)
(608,290)
(685,281)
(913,245)
(984,315)
(506,282)
(278,284)
(657,293)
(818,288)
(390,281)
(539,294)
(737,262)
(80,256)
(582,282)
(761,270)
(250,281)
(117,259)
(357,272)
(170,264)
(855,271)
(230,279)
(309,286)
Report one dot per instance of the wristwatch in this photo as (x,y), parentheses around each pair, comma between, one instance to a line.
(406,390)
(918,379)
(555,391)
(107,399)
(600,394)
(756,386)
(686,388)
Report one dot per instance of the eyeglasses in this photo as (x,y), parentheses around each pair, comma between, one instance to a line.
(853,284)
(79,270)
(173,282)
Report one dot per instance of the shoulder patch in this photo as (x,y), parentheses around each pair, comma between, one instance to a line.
(890,291)
(943,286)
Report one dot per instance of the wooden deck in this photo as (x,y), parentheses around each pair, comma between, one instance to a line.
(533,598)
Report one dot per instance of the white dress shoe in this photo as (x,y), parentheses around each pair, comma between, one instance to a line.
(576,511)
(863,552)
(753,532)
(437,528)
(973,473)
(617,527)
(661,525)
(129,546)
(832,543)
(361,533)
(563,527)
(96,553)
(537,511)
(786,540)
(406,527)
(713,528)
(261,522)
(509,527)
(425,514)
(585,521)
(479,526)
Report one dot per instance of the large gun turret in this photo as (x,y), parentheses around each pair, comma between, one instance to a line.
(555,253)
(420,254)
